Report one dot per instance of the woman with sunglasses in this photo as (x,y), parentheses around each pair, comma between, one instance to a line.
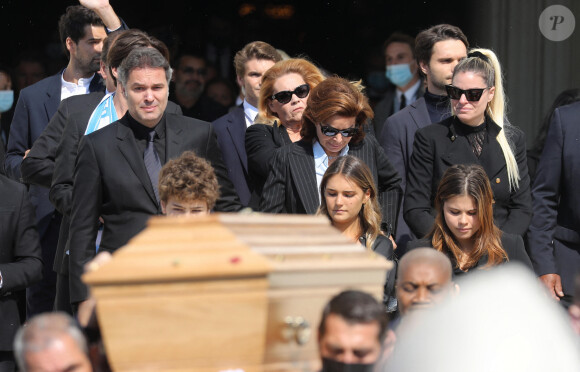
(332,127)
(348,197)
(477,133)
(283,94)
(464,226)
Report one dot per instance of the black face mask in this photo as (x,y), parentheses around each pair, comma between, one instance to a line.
(329,365)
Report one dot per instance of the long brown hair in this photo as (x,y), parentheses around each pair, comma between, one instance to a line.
(356,171)
(471,180)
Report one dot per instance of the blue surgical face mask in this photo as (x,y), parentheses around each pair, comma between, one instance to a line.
(6,100)
(400,75)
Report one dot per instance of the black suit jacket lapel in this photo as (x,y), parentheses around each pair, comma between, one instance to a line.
(53,96)
(492,158)
(420,114)
(128,147)
(237,130)
(304,176)
(173,137)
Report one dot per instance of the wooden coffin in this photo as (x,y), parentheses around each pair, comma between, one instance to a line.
(227,291)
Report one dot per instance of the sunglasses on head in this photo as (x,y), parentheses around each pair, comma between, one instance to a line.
(329,131)
(470,94)
(286,95)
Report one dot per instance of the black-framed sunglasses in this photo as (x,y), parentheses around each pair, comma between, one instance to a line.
(286,95)
(329,131)
(470,94)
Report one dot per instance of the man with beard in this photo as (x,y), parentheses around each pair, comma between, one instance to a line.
(189,82)
(82,32)
(438,50)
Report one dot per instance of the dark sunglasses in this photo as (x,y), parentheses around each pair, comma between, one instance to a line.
(329,131)
(470,94)
(286,95)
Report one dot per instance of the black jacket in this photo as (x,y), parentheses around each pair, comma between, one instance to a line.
(512,244)
(439,146)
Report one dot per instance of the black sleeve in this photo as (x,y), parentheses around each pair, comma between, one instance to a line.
(228,200)
(38,166)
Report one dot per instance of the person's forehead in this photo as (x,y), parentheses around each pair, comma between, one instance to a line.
(195,203)
(94,32)
(452,48)
(141,73)
(423,272)
(397,47)
(191,61)
(338,330)
(4,80)
(61,351)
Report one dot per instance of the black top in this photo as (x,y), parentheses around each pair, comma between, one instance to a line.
(438,106)
(512,244)
(261,142)
(383,246)
(141,134)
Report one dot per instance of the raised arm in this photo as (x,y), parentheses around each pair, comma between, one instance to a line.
(105,11)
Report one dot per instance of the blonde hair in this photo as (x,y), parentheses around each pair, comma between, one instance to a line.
(357,172)
(310,73)
(489,69)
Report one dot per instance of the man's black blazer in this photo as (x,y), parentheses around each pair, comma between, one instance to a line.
(438,146)
(111,182)
(36,105)
(291,186)
(231,134)
(396,137)
(38,167)
(554,234)
(20,255)
(64,167)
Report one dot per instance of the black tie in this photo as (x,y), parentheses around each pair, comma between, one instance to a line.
(403,102)
(152,163)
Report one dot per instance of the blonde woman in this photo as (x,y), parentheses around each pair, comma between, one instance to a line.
(477,133)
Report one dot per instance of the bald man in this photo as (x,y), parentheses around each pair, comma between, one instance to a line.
(424,279)
(51,342)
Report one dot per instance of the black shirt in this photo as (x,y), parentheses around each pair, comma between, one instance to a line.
(141,134)
(438,107)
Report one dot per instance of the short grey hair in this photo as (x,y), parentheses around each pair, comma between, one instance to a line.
(41,331)
(141,58)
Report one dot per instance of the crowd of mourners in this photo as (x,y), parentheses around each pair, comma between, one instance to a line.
(432,176)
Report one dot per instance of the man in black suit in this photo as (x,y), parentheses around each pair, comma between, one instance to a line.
(554,234)
(82,32)
(118,166)
(251,62)
(20,262)
(403,74)
(438,50)
(76,115)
